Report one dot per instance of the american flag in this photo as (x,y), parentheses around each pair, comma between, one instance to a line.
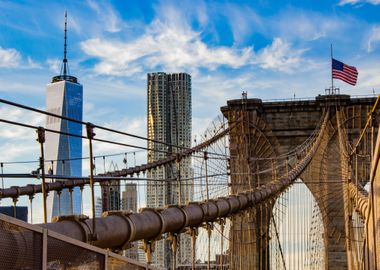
(344,72)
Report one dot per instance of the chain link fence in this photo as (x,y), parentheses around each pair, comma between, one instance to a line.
(29,247)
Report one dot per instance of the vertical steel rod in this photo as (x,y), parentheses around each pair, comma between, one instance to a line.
(221,242)
(14,207)
(31,208)
(71,201)
(41,140)
(209,246)
(90,136)
(2,173)
(59,202)
(193,233)
(207,192)
(178,162)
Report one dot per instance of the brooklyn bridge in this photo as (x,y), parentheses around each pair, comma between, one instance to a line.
(288,184)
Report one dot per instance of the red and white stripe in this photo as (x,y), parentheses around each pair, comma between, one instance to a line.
(348,75)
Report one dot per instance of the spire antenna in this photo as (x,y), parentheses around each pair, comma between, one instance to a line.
(65,69)
(65,73)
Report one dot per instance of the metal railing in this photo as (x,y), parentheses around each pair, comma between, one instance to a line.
(24,247)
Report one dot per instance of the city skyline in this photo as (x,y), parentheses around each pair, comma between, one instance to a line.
(255,47)
(162,71)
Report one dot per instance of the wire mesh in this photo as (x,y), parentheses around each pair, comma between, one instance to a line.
(29,247)
(62,255)
(118,264)
(20,248)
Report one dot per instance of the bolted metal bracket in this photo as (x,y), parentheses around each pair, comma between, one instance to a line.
(148,247)
(40,135)
(90,130)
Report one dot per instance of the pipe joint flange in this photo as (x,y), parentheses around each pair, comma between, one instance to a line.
(80,220)
(125,216)
(229,207)
(186,216)
(157,212)
(17,188)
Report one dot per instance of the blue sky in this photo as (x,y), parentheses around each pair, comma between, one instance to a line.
(271,49)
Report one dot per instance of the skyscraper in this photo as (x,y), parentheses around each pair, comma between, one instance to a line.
(98,207)
(129,198)
(110,195)
(169,121)
(64,96)
(129,204)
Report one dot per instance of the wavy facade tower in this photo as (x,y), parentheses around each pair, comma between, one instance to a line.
(64,96)
(169,121)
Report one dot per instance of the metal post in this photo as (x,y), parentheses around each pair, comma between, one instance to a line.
(90,136)
(2,172)
(356,173)
(14,207)
(205,158)
(148,247)
(178,162)
(209,228)
(193,233)
(241,243)
(31,197)
(41,140)
(59,201)
(71,201)
(63,167)
(44,258)
(81,199)
(332,78)
(174,239)
(222,222)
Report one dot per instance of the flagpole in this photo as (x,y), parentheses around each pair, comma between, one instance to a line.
(332,79)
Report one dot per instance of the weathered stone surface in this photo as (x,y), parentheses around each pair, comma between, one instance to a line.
(270,129)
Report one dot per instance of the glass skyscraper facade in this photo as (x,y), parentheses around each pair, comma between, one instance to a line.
(64,96)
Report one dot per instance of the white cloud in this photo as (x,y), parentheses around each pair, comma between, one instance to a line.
(13,132)
(356,2)
(107,15)
(172,47)
(279,56)
(136,126)
(19,142)
(170,43)
(369,78)
(373,38)
(243,20)
(32,64)
(54,65)
(297,24)
(9,58)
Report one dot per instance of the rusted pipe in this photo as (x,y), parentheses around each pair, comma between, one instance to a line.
(115,229)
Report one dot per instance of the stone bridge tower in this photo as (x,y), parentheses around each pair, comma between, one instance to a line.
(267,130)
